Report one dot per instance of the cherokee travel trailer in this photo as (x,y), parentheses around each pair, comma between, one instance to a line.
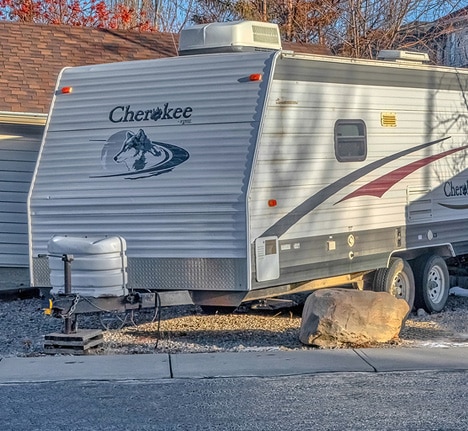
(240,171)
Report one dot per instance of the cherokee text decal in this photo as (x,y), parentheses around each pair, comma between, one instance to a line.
(453,189)
(129,114)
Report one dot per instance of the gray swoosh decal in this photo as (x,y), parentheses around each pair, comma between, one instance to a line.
(290,219)
(454,207)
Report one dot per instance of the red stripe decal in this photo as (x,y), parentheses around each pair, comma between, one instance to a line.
(381,185)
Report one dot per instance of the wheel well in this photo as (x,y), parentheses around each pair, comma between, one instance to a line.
(445,251)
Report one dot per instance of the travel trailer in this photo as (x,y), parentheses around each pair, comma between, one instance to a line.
(239,171)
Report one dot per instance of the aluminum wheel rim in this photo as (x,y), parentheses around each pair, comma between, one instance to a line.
(435,283)
(400,285)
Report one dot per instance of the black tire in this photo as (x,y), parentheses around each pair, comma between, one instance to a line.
(398,280)
(432,283)
(379,280)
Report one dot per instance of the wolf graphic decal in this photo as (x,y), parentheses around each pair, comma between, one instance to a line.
(136,151)
(135,155)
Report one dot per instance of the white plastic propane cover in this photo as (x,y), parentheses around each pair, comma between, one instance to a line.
(99,266)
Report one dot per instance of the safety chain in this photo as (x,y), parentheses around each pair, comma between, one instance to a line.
(72,309)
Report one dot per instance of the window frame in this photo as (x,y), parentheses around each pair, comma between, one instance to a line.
(360,138)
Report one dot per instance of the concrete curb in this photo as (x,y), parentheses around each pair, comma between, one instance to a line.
(266,364)
(231,364)
(58,368)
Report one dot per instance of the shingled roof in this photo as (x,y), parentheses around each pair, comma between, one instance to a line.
(32,56)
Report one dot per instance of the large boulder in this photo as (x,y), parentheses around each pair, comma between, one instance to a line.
(345,317)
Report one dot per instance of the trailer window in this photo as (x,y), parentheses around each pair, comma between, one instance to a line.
(350,140)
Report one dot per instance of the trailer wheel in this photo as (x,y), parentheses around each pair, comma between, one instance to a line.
(432,283)
(397,279)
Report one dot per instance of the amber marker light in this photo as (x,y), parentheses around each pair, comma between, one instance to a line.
(255,77)
(66,90)
(272,203)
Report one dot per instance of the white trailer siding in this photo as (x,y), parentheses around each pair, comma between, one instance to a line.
(184,217)
(327,218)
(19,146)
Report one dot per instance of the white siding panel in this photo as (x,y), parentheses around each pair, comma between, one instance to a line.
(195,210)
(296,158)
(19,145)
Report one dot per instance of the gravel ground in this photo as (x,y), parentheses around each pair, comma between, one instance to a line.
(185,329)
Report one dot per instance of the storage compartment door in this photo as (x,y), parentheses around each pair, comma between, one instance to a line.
(267,258)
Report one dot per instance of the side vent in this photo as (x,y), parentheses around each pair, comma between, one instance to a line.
(419,204)
(266,35)
(388,119)
(238,36)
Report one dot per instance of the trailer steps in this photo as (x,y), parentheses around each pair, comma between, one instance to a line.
(76,343)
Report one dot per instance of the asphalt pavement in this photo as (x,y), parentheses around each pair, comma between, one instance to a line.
(229,364)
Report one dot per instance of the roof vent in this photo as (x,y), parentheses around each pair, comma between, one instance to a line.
(229,37)
(403,56)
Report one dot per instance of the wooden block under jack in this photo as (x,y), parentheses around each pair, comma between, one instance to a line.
(76,343)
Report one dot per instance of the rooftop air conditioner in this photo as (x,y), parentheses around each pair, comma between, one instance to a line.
(229,37)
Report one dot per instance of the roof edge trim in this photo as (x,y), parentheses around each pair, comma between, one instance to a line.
(23,118)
